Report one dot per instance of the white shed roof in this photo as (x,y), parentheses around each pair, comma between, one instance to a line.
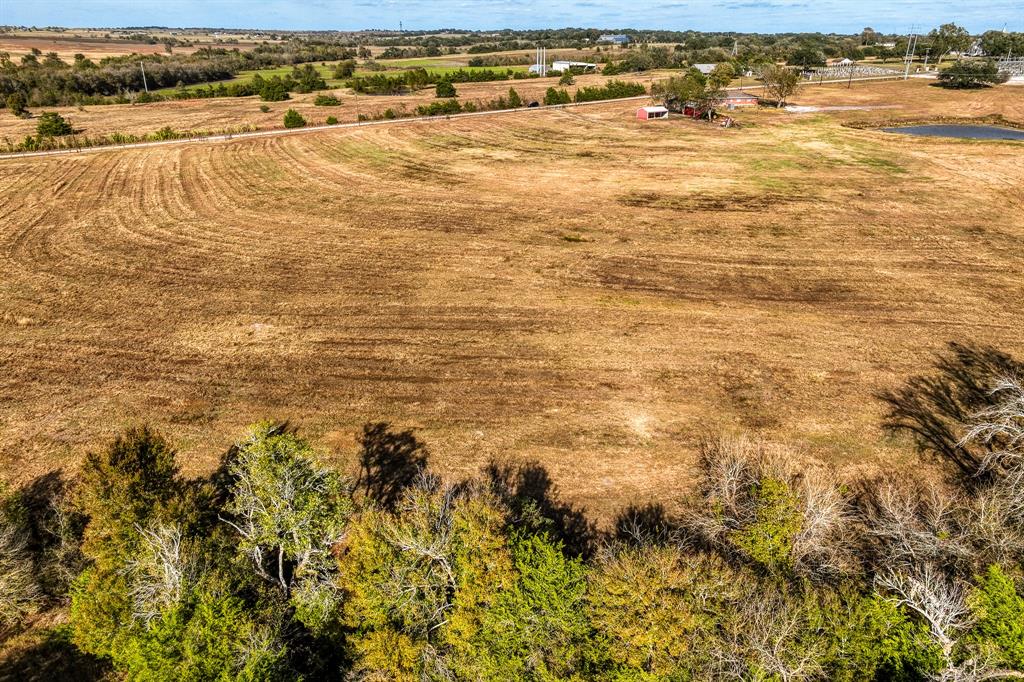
(655,110)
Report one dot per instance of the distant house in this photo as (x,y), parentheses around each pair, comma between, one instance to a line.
(651,113)
(617,39)
(739,99)
(566,65)
(705,69)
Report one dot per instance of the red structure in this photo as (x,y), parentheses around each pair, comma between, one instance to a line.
(651,113)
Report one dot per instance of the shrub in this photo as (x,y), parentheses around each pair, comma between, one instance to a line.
(52,124)
(17,103)
(567,79)
(328,100)
(445,89)
(553,96)
(293,119)
(332,120)
(514,100)
(274,90)
(439,108)
(345,69)
(264,108)
(966,74)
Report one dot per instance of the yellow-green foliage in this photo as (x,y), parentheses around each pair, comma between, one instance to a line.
(999,619)
(639,601)
(769,539)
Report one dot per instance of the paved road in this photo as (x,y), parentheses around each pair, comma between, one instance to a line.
(397,121)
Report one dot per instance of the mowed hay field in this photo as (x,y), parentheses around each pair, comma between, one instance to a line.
(566,286)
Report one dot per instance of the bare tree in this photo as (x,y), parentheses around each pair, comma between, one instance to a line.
(161,572)
(18,588)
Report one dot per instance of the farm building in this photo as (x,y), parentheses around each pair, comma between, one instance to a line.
(739,99)
(705,69)
(651,113)
(566,65)
(617,39)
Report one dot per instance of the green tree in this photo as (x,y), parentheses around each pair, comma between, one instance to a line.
(971,74)
(293,119)
(998,611)
(288,511)
(16,103)
(514,100)
(780,83)
(206,637)
(130,486)
(307,78)
(537,628)
(52,124)
(445,89)
(949,38)
(567,79)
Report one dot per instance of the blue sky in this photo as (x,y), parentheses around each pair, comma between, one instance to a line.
(766,16)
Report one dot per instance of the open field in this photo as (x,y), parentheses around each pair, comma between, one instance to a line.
(569,286)
(231,112)
(97,44)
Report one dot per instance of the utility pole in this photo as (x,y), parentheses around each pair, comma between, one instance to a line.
(911,49)
(144,84)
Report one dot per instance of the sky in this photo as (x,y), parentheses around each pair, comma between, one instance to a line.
(765,16)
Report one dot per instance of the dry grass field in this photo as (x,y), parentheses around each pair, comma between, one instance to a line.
(95,45)
(569,286)
(232,112)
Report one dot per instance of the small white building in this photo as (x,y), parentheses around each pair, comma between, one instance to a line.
(566,65)
(705,69)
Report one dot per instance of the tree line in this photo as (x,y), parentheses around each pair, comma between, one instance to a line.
(47,80)
(278,566)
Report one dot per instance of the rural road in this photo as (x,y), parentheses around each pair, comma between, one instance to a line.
(396,121)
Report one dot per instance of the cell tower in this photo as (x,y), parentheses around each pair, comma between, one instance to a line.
(911,49)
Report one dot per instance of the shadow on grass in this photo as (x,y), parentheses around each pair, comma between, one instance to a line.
(933,408)
(49,655)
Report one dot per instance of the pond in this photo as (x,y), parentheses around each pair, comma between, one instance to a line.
(966,132)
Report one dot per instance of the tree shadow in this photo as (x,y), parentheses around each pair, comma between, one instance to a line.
(933,408)
(528,489)
(55,530)
(644,525)
(52,657)
(389,462)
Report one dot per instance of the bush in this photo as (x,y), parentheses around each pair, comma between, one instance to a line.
(965,74)
(514,100)
(52,124)
(264,108)
(553,96)
(567,79)
(293,119)
(17,103)
(326,101)
(332,120)
(445,89)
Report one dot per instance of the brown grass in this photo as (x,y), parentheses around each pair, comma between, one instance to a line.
(231,112)
(569,286)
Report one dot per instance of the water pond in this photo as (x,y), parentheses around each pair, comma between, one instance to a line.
(966,132)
